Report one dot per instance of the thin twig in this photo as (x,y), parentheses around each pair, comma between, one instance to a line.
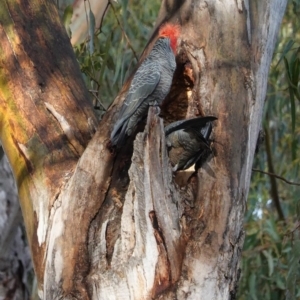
(94,93)
(273,183)
(123,31)
(276,176)
(104,13)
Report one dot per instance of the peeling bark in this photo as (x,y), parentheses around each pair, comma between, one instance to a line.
(146,235)
(112,225)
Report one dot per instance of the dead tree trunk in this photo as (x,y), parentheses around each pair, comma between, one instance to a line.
(107,225)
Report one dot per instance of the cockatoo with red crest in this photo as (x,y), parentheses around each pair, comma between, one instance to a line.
(150,84)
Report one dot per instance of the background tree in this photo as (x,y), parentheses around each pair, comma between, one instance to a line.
(198,103)
(271,250)
(16,274)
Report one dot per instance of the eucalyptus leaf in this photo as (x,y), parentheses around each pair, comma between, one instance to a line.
(270,260)
(286,49)
(92,24)
(67,16)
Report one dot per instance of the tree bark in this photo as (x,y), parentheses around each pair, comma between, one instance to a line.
(45,115)
(15,262)
(119,225)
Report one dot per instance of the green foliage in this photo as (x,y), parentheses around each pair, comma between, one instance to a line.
(108,57)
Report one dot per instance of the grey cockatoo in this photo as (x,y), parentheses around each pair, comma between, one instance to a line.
(187,141)
(150,85)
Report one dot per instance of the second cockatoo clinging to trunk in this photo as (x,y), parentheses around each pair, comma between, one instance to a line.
(188,141)
(150,84)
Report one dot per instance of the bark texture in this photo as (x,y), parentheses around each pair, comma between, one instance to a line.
(45,115)
(120,225)
(15,263)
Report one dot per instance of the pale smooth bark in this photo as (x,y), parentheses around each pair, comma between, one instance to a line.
(105,233)
(80,22)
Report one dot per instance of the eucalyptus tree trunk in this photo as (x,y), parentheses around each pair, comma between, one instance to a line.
(106,224)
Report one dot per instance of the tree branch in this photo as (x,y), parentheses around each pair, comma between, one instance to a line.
(276,176)
(274,188)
